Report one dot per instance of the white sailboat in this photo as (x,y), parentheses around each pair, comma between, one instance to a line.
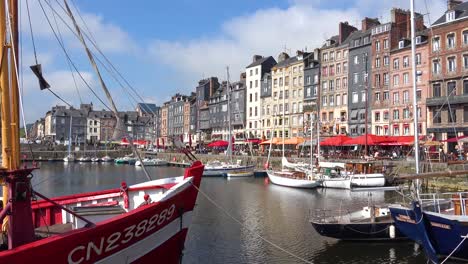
(70,157)
(228,169)
(151,162)
(285,177)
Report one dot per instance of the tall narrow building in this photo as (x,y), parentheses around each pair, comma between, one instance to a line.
(254,73)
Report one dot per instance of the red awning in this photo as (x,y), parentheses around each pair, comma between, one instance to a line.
(455,139)
(361,140)
(335,141)
(219,143)
(253,140)
(399,141)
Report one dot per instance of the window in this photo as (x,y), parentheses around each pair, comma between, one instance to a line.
(325,71)
(308,80)
(281,81)
(294,94)
(251,72)
(377,97)
(331,100)
(396,114)
(405,97)
(385,44)
(452,115)
(436,90)
(256,111)
(450,16)
(250,98)
(385,115)
(256,71)
(364,77)
(316,78)
(332,56)
(396,98)
(451,41)
(299,79)
(356,78)
(338,68)
(324,86)
(377,116)
(356,42)
(386,77)
(418,95)
(465,88)
(338,100)
(377,45)
(405,61)
(325,57)
(406,130)
(363,96)
(355,97)
(451,88)
(436,66)
(418,40)
(377,62)
(451,64)
(345,99)
(338,84)
(286,108)
(465,37)
(294,81)
(401,44)
(345,54)
(286,80)
(377,80)
(256,83)
(324,100)
(332,70)
(308,91)
(356,59)
(406,78)
(396,64)
(299,106)
(465,114)
(338,54)
(331,85)
(437,118)
(256,97)
(294,69)
(396,80)
(345,67)
(418,59)
(386,60)
(418,78)
(436,44)
(345,83)
(465,61)
(275,83)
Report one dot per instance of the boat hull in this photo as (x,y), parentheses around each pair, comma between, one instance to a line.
(290,182)
(217,172)
(147,234)
(358,231)
(368,180)
(439,234)
(241,174)
(337,183)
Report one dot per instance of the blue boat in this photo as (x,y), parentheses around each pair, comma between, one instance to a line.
(441,227)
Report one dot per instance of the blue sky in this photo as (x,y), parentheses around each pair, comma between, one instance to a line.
(164,47)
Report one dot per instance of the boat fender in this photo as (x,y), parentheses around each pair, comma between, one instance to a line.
(266,165)
(391,231)
(124,193)
(146,201)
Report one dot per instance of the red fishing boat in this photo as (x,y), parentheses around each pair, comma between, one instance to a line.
(142,223)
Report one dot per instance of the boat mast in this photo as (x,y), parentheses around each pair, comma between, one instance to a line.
(5,97)
(311,137)
(415,104)
(228,92)
(366,78)
(318,137)
(70,134)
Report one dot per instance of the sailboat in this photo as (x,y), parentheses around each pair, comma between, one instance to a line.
(291,178)
(70,157)
(85,158)
(141,223)
(106,158)
(437,221)
(229,169)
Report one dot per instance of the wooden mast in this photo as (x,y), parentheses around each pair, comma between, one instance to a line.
(14,91)
(5,99)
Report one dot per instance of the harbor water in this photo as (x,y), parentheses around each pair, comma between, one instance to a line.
(244,220)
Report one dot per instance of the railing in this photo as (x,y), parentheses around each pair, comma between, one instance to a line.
(445,202)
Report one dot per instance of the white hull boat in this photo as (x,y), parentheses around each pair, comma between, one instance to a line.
(226,169)
(337,183)
(152,162)
(84,159)
(368,180)
(290,179)
(240,174)
(107,159)
(69,158)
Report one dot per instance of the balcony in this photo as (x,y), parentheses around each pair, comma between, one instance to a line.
(436,101)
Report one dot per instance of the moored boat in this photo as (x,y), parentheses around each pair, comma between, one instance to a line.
(107,159)
(294,179)
(151,162)
(216,168)
(69,158)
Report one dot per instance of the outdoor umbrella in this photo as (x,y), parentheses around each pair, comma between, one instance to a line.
(335,141)
(218,143)
(361,140)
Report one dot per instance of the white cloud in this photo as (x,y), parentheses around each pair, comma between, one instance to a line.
(268,31)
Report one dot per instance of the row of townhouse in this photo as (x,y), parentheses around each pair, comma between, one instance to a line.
(363,76)
(94,126)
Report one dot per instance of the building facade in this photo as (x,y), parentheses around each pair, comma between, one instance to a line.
(254,73)
(447,101)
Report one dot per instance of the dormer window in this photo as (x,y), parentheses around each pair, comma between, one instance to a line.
(418,40)
(450,16)
(401,44)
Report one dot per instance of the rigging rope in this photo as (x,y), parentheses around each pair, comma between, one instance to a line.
(455,249)
(248,229)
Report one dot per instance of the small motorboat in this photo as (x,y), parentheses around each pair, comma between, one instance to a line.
(217,168)
(69,158)
(84,159)
(95,159)
(107,159)
(126,160)
(151,162)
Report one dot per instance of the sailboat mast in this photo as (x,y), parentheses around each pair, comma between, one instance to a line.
(13,9)
(311,145)
(5,97)
(70,135)
(228,93)
(415,104)
(318,138)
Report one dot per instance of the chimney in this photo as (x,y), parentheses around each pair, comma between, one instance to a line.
(283,56)
(256,58)
(451,4)
(243,76)
(368,23)
(344,31)
(316,54)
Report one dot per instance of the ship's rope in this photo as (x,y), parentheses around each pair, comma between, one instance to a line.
(222,209)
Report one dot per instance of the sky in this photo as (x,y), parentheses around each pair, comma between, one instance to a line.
(164,47)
